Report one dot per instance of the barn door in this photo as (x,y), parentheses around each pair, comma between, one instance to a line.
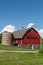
(31,46)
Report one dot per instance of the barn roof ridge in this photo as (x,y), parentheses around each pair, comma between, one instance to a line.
(20,33)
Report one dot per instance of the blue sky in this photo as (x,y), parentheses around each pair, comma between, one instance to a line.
(21,12)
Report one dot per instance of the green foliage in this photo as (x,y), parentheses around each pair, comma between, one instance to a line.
(41,50)
(0,38)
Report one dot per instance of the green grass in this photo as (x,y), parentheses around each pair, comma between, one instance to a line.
(3,47)
(41,50)
(21,59)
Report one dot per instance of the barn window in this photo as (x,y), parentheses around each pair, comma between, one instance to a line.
(31,37)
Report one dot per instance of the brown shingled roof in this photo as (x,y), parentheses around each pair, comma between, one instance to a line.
(19,33)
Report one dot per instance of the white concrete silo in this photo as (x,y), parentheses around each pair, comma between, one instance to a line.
(6,38)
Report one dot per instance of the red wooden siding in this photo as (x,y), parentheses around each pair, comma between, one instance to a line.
(19,41)
(30,33)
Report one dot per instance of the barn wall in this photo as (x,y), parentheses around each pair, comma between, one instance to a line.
(30,46)
(26,40)
(31,41)
(19,41)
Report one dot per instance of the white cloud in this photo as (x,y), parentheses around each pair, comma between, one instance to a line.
(30,25)
(41,32)
(9,28)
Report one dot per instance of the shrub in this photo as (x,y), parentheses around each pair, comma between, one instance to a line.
(41,51)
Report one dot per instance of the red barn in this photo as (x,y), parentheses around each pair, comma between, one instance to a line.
(28,38)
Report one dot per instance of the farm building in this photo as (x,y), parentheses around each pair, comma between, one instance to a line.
(27,38)
(6,38)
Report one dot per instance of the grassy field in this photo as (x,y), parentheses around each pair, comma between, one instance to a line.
(20,58)
(3,47)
